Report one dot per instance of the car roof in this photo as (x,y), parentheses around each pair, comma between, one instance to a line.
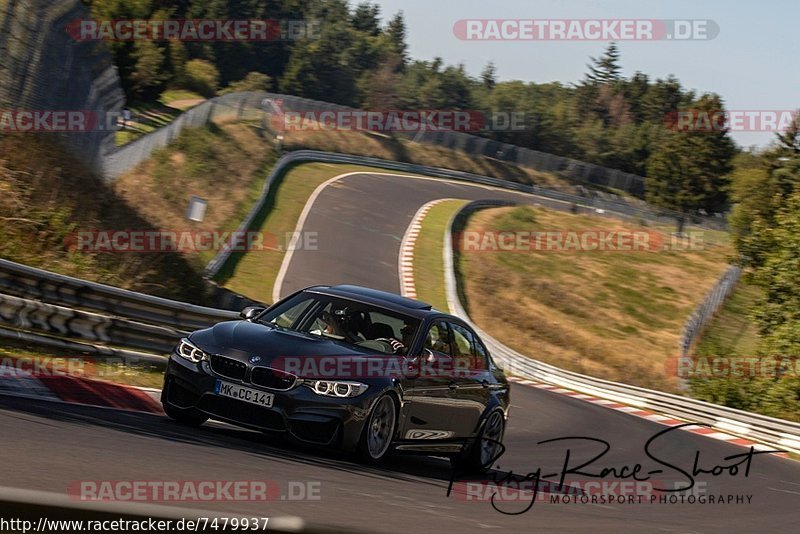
(391,301)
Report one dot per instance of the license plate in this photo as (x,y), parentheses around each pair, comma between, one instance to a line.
(235,391)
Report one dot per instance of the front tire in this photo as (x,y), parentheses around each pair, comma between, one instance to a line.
(376,438)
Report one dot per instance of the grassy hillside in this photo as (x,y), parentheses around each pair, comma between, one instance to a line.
(392,148)
(608,314)
(46,195)
(224,164)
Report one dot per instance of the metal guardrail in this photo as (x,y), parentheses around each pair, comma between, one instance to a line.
(777,433)
(60,312)
(75,347)
(481,146)
(609,204)
(61,321)
(30,282)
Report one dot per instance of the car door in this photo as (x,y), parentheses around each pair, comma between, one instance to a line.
(471,375)
(428,397)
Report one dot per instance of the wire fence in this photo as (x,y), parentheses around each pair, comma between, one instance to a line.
(708,308)
(230,107)
(43,68)
(264,108)
(476,145)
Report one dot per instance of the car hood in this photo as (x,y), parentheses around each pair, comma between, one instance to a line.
(244,339)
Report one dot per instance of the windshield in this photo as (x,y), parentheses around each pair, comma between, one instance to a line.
(346,321)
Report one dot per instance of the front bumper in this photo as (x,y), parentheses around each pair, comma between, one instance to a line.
(298,412)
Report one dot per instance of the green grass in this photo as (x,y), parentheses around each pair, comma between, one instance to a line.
(253,274)
(147,117)
(732,332)
(171,95)
(428,260)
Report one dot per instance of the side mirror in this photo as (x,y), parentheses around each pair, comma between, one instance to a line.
(415,364)
(250,312)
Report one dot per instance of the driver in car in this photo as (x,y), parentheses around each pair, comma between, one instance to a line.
(354,326)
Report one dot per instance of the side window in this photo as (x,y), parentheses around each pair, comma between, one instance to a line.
(438,338)
(463,341)
(481,355)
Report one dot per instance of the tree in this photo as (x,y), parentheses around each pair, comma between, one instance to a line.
(177,61)
(789,141)
(202,76)
(761,187)
(605,69)
(689,171)
(254,81)
(396,31)
(778,314)
(321,69)
(366,18)
(148,74)
(381,87)
(488,76)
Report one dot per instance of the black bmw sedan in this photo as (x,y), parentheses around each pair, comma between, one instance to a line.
(349,367)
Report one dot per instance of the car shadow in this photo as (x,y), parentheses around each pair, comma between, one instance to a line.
(414,468)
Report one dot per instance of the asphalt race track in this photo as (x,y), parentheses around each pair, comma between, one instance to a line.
(360,221)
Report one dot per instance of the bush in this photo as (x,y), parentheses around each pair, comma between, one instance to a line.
(202,77)
(254,81)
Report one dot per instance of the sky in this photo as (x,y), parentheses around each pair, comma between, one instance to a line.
(752,62)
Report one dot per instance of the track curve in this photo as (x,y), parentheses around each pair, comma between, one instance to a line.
(360,220)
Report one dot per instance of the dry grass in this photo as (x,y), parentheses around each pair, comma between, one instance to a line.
(46,196)
(224,164)
(612,315)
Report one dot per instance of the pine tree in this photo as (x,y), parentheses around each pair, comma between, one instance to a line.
(366,18)
(488,76)
(689,171)
(606,68)
(396,31)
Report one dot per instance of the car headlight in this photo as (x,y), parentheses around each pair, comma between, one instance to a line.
(336,388)
(186,349)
